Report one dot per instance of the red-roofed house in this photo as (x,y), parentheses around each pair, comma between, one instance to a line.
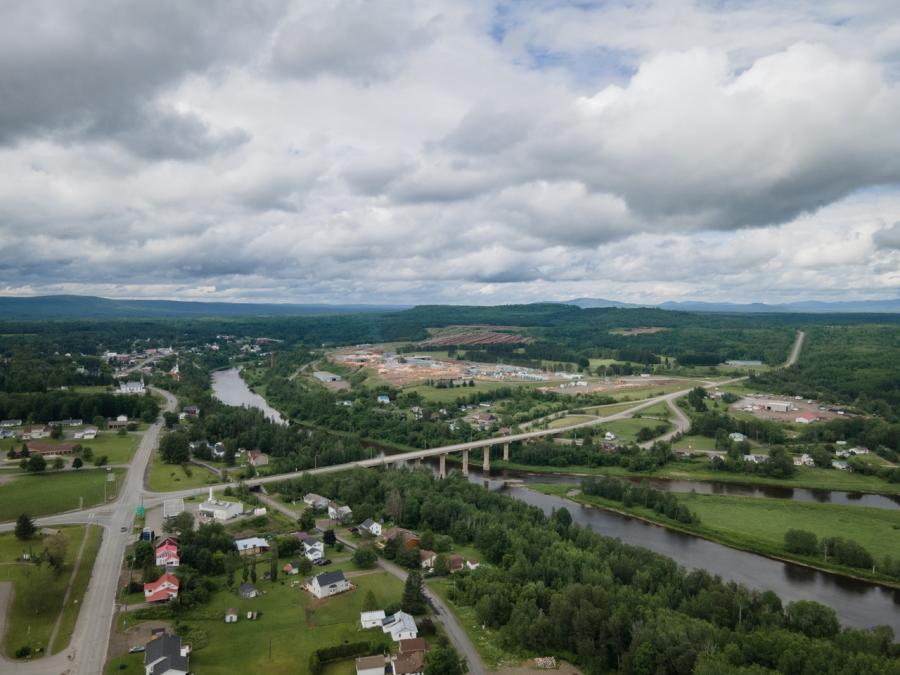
(163,589)
(257,458)
(167,553)
(805,418)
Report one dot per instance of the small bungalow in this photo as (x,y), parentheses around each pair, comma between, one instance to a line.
(247,591)
(251,546)
(457,562)
(737,437)
(231,615)
(472,564)
(370,665)
(371,619)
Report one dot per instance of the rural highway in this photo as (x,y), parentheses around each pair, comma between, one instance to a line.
(86,652)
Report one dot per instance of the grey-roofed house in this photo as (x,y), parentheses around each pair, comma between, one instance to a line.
(247,591)
(328,583)
(164,655)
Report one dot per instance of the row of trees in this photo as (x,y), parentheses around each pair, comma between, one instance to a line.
(662,502)
(54,405)
(840,550)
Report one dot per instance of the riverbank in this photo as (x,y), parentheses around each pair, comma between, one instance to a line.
(809,478)
(757,525)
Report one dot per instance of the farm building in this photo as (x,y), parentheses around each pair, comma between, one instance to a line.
(777,406)
(325,376)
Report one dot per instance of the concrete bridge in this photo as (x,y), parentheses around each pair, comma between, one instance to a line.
(441,452)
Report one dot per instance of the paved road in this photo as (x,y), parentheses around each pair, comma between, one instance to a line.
(442,614)
(795,350)
(86,652)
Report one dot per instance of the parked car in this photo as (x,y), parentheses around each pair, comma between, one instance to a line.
(136,649)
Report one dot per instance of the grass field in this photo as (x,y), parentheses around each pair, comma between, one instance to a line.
(79,587)
(118,449)
(168,477)
(42,494)
(660,410)
(611,409)
(244,647)
(568,421)
(649,391)
(766,520)
(695,443)
(23,625)
(627,430)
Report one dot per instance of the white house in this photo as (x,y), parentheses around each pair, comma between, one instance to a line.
(804,460)
(341,513)
(165,655)
(840,466)
(328,583)
(372,527)
(384,399)
(805,418)
(427,558)
(220,510)
(313,549)
(473,564)
(401,626)
(609,436)
(737,437)
(231,615)
(133,387)
(371,619)
(858,451)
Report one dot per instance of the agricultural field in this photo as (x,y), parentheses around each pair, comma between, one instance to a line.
(118,449)
(766,520)
(53,492)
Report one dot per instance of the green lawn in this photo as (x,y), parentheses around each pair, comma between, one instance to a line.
(695,443)
(244,647)
(627,430)
(568,421)
(79,586)
(118,449)
(611,409)
(170,477)
(23,625)
(42,494)
(658,410)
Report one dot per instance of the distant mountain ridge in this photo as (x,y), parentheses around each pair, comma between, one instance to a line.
(801,307)
(92,307)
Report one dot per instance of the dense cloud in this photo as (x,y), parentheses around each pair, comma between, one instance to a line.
(449,151)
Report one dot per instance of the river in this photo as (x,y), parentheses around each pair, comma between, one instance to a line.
(229,387)
(857,603)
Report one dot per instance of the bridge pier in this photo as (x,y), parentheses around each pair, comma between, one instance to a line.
(506,452)
(486,465)
(465,468)
(443,459)
(418,462)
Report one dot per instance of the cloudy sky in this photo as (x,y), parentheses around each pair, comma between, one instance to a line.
(450,150)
